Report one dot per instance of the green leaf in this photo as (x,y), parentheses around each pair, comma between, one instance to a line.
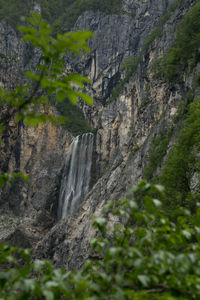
(51,284)
(48,295)
(86,98)
(29,284)
(100,221)
(133,205)
(32,75)
(149,205)
(38,265)
(145,280)
(72,97)
(160,188)
(187,234)
(157,203)
(60,95)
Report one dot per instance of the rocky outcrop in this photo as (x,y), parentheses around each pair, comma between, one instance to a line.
(125,128)
(42,154)
(116,37)
(28,208)
(126,123)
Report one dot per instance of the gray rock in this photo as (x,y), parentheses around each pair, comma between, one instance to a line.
(125,129)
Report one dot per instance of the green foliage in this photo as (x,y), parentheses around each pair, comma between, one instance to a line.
(12,11)
(11,177)
(131,63)
(183,160)
(28,102)
(74,118)
(134,150)
(183,106)
(185,54)
(7,61)
(59,13)
(142,255)
(157,151)
(189,98)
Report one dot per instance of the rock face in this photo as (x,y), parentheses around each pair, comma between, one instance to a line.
(116,37)
(125,128)
(41,155)
(38,152)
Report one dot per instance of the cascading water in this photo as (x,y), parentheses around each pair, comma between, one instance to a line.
(76,176)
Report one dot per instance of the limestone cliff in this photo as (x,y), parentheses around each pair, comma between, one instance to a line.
(125,128)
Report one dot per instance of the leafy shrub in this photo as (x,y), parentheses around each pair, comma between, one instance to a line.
(142,255)
(183,160)
(185,54)
(157,151)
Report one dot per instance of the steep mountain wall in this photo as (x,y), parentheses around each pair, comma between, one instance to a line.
(143,108)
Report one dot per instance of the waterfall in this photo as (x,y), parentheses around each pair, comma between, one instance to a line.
(76,176)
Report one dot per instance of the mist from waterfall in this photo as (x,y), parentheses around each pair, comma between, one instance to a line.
(76,175)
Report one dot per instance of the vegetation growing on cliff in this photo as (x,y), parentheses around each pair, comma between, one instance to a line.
(183,160)
(74,118)
(12,10)
(157,151)
(184,54)
(131,64)
(61,14)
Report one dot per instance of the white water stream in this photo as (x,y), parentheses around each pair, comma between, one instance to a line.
(76,176)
